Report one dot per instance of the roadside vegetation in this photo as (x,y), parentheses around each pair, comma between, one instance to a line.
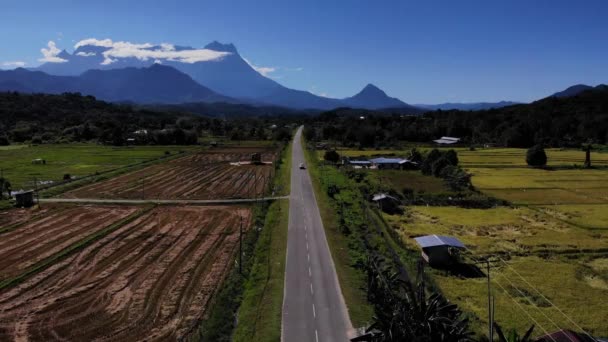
(537,215)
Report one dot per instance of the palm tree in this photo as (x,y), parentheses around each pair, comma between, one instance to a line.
(404,312)
(513,335)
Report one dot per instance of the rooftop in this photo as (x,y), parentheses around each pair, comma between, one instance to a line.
(438,240)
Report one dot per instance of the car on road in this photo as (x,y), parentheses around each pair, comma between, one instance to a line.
(302,166)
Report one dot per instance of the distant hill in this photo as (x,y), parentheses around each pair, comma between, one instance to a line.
(154,84)
(577,89)
(372,97)
(467,106)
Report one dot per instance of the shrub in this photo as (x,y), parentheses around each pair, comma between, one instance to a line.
(331,156)
(536,156)
(439,165)
(427,164)
(452,157)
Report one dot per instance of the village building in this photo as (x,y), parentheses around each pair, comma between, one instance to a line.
(386,203)
(24,199)
(440,251)
(391,163)
(447,141)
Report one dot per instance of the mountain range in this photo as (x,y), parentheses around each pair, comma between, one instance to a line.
(229,75)
(92,69)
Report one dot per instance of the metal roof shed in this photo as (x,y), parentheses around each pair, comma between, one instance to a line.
(440,251)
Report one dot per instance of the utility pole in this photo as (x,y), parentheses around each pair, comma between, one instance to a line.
(241,245)
(490,314)
(36,192)
(2,188)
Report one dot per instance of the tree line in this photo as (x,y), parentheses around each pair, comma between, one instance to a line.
(552,122)
(72,117)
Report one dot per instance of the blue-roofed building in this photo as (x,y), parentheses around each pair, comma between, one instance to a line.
(390,163)
(440,251)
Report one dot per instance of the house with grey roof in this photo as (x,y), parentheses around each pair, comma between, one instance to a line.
(440,251)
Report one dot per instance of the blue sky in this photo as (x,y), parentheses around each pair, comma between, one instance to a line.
(419,51)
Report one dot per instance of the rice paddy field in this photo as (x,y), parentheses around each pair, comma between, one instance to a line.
(75,159)
(549,247)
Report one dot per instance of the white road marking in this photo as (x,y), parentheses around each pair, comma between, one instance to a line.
(308,256)
(314,313)
(307,245)
(312,292)
(309,272)
(316,335)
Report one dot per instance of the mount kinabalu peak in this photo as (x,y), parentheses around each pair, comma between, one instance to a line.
(217,66)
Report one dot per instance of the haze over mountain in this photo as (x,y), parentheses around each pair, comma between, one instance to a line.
(467,106)
(153,84)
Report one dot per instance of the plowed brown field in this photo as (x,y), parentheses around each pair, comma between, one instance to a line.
(150,279)
(206,175)
(49,232)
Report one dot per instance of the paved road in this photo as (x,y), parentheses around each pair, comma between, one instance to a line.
(313,306)
(157,201)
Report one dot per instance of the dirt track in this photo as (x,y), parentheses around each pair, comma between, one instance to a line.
(206,175)
(148,280)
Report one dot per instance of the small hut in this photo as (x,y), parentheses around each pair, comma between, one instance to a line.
(39,161)
(24,199)
(387,203)
(256,158)
(440,251)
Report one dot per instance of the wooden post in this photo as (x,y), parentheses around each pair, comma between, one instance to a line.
(490,315)
(241,245)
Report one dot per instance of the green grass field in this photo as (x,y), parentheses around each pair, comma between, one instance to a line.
(554,238)
(77,160)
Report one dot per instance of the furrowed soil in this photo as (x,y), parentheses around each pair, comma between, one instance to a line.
(214,174)
(150,279)
(47,233)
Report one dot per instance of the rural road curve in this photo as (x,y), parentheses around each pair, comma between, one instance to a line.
(313,306)
(156,201)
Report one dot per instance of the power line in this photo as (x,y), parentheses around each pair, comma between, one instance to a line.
(545,298)
(529,300)
(515,301)
(524,310)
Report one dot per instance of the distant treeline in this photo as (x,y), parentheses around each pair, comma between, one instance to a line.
(555,122)
(65,118)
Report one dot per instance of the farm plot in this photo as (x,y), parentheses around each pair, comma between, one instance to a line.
(150,279)
(34,240)
(542,258)
(217,174)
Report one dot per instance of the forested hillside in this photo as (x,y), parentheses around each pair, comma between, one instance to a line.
(67,118)
(555,122)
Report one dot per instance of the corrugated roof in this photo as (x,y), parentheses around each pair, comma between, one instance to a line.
(438,240)
(383,160)
(447,140)
(378,197)
(362,162)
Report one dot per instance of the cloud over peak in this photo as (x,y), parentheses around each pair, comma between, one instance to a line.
(146,51)
(14,64)
(51,54)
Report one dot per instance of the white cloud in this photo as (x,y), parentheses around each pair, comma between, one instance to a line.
(50,54)
(148,51)
(14,64)
(262,70)
(86,54)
